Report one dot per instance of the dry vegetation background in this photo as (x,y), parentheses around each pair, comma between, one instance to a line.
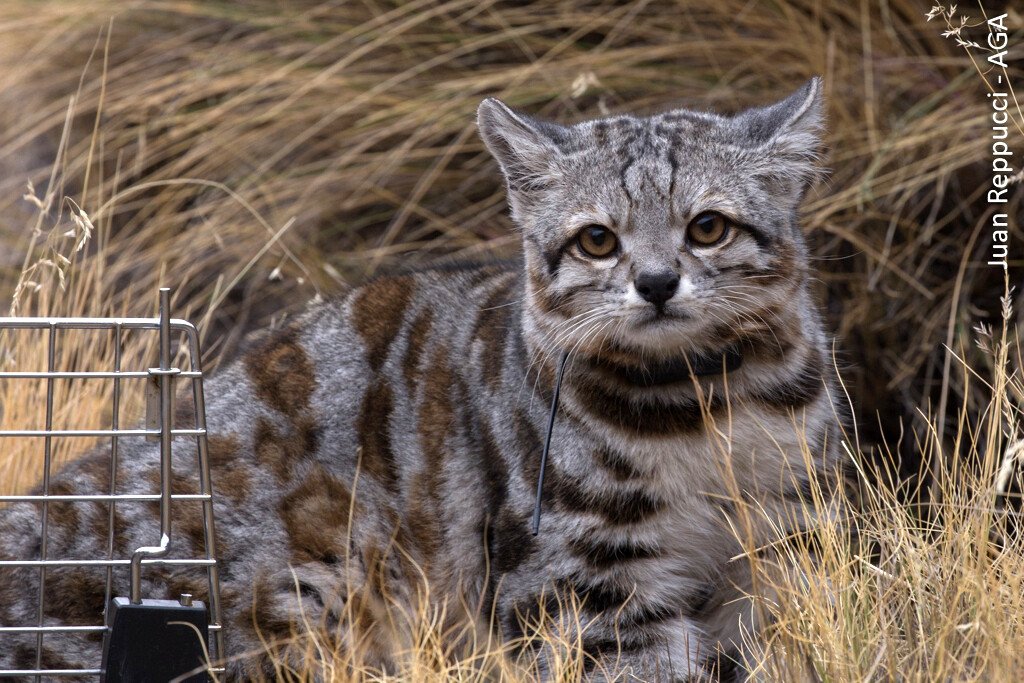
(256,155)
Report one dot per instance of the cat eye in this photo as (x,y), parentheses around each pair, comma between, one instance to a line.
(707,229)
(597,241)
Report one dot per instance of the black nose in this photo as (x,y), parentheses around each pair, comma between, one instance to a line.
(657,287)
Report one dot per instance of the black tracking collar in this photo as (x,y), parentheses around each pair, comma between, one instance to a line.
(678,369)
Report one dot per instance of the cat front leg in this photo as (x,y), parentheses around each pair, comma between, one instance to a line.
(679,652)
(630,641)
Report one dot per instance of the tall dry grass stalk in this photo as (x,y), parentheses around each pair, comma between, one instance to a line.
(256,155)
(923,592)
(64,274)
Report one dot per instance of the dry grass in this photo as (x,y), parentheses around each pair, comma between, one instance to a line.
(255,155)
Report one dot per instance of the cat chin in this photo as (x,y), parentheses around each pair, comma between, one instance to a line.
(662,320)
(665,338)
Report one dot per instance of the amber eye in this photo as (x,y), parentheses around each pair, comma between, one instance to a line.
(597,241)
(707,229)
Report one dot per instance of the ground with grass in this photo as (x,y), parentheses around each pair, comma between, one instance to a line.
(259,155)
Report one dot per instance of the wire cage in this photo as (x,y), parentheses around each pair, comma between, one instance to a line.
(160,388)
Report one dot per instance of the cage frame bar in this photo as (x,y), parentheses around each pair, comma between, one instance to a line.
(166,375)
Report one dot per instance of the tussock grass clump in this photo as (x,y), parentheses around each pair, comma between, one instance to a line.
(921,592)
(258,155)
(201,132)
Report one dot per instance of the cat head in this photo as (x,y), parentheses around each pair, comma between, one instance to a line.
(661,234)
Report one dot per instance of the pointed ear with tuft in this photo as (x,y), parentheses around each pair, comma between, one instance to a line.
(525,148)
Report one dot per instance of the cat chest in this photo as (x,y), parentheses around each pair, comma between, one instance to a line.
(749,454)
(659,558)
(669,503)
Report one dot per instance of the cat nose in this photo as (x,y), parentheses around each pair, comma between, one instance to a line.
(657,287)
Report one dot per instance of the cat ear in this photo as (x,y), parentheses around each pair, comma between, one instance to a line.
(789,132)
(792,126)
(525,148)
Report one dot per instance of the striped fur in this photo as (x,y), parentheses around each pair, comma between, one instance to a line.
(398,430)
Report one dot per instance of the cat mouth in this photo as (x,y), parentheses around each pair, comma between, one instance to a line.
(661,316)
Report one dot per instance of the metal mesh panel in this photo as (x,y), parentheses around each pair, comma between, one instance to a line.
(159,427)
